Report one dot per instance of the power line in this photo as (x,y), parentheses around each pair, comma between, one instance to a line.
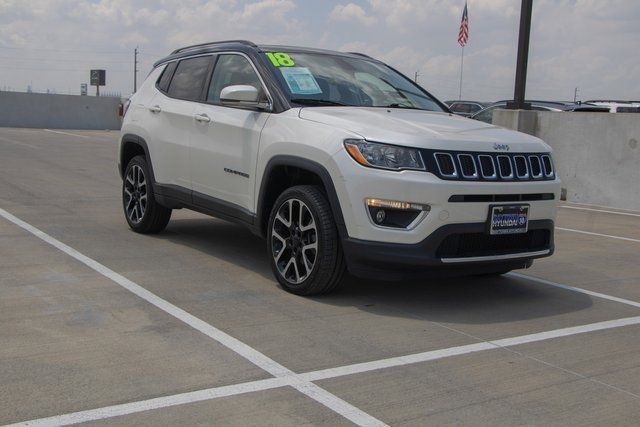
(156,54)
(97,52)
(9,67)
(41,49)
(111,61)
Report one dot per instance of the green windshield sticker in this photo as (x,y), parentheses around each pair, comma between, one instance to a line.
(300,81)
(280,59)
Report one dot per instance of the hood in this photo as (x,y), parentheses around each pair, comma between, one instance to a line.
(422,129)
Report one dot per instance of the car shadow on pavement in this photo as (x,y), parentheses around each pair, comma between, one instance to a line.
(467,299)
(223,240)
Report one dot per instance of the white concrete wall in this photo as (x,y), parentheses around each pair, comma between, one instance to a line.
(597,155)
(37,110)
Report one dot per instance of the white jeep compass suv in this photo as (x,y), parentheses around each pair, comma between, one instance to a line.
(340,161)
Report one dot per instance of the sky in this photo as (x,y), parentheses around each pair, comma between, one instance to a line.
(588,44)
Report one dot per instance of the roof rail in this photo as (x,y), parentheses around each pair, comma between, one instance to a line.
(195,46)
(612,100)
(360,54)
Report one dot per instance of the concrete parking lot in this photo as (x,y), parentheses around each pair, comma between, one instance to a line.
(102,325)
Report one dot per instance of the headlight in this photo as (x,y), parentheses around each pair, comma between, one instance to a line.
(384,156)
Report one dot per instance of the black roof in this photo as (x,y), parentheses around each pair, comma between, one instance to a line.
(248,46)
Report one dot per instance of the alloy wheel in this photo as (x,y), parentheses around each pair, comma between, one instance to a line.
(294,241)
(135,194)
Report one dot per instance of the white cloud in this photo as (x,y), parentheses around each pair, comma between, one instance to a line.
(585,43)
(352,12)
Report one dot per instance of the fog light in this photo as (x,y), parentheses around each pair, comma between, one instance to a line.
(394,204)
(393,213)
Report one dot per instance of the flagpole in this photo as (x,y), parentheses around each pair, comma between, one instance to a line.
(461,70)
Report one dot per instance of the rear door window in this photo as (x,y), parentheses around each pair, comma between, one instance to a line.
(460,108)
(455,107)
(474,108)
(487,114)
(165,77)
(189,77)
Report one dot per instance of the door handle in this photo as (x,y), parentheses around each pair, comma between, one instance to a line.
(203,118)
(155,109)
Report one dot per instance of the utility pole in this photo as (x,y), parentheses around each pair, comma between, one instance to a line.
(575,95)
(415,77)
(523,56)
(135,69)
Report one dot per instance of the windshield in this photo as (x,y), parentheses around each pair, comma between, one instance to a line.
(333,80)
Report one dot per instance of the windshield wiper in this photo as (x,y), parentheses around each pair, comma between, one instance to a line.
(396,105)
(311,101)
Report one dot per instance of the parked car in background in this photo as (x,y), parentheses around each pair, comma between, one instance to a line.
(486,115)
(466,108)
(618,106)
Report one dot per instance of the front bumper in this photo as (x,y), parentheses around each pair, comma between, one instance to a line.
(452,238)
(436,255)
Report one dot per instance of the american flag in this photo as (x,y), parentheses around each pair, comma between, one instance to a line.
(463,35)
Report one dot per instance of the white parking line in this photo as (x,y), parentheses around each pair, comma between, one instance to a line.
(156,403)
(331,401)
(284,376)
(574,289)
(600,210)
(358,368)
(67,133)
(19,143)
(467,349)
(628,239)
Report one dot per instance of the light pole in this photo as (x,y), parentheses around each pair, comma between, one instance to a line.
(523,55)
(135,69)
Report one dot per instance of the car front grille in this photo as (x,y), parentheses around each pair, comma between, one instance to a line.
(482,166)
(482,244)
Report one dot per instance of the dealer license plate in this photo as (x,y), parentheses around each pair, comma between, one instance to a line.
(508,219)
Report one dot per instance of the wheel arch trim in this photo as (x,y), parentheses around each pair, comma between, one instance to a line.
(130,138)
(311,166)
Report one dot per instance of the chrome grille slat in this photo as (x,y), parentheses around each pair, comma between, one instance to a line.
(505,167)
(443,157)
(487,166)
(521,167)
(465,161)
(547,165)
(535,166)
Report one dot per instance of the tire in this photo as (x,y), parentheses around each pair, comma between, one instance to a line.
(310,243)
(142,212)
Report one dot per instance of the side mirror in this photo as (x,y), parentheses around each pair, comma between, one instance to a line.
(242,96)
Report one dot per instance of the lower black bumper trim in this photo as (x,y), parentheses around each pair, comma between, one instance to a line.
(397,261)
